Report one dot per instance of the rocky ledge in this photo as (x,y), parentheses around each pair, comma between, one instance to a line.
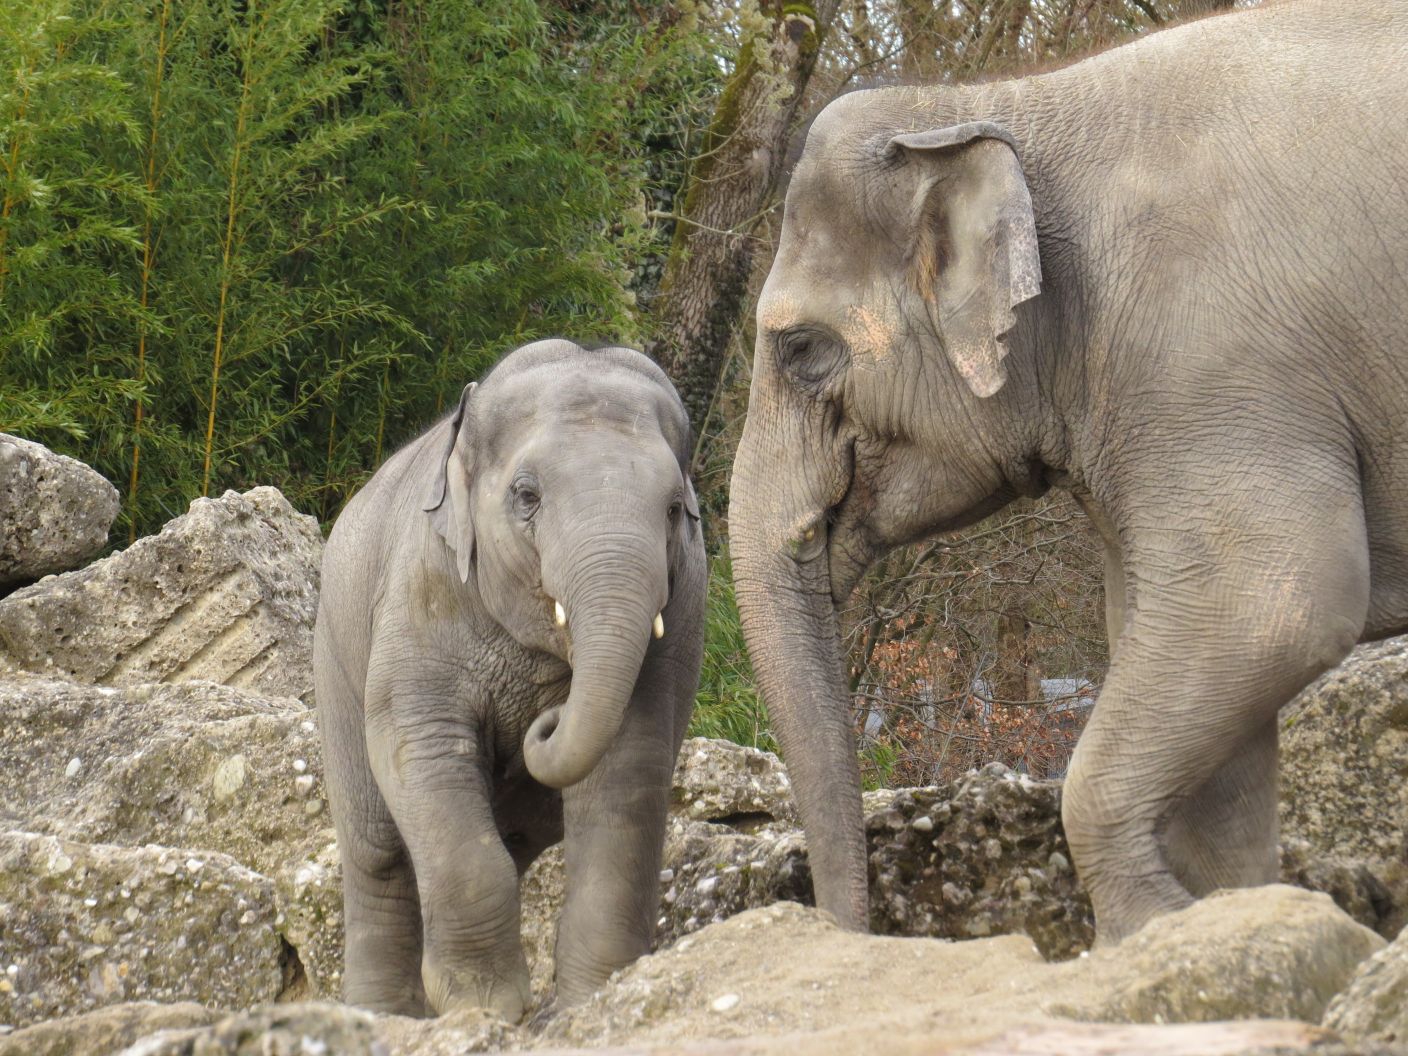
(169,882)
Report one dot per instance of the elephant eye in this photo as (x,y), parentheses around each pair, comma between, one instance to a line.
(526,498)
(808,355)
(676,508)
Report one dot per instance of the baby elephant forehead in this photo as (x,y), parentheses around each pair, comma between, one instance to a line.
(584,396)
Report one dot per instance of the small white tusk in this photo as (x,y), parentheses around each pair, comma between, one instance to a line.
(659,625)
(559,614)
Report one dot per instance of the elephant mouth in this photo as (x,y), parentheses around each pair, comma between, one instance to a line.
(848,549)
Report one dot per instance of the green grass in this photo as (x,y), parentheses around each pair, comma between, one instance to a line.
(728,706)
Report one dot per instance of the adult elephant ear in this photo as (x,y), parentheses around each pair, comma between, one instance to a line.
(975,256)
(448,499)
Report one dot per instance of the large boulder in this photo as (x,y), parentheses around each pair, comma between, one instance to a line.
(322,1029)
(86,925)
(188,765)
(1374,1007)
(55,512)
(191,765)
(784,971)
(1275,951)
(1344,785)
(731,784)
(225,593)
(106,1030)
(985,856)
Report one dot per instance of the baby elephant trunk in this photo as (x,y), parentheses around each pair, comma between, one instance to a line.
(611,606)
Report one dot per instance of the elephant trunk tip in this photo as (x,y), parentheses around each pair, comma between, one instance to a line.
(544,758)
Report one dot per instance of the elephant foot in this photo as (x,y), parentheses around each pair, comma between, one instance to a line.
(1118,915)
(389,1001)
(504,994)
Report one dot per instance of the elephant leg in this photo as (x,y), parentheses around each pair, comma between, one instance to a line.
(381,911)
(1231,623)
(427,763)
(1224,835)
(615,819)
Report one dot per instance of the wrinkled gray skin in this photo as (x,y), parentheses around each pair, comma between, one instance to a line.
(454,708)
(1211,353)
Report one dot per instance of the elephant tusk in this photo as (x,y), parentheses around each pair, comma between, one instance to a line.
(659,625)
(559,614)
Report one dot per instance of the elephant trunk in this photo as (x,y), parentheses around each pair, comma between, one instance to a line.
(791,628)
(611,599)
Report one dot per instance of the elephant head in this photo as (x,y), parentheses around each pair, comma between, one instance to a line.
(564,497)
(881,411)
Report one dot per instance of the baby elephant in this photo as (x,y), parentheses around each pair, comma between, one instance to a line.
(507,648)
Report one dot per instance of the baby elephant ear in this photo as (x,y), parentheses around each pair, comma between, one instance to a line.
(448,498)
(691,501)
(975,256)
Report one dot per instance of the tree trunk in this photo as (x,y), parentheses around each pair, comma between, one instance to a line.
(732,186)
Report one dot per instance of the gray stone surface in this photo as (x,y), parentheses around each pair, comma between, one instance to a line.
(721,781)
(105,1030)
(55,512)
(986,856)
(540,895)
(308,892)
(88,925)
(1344,784)
(1374,1007)
(193,765)
(187,765)
(225,593)
(295,1029)
(1273,952)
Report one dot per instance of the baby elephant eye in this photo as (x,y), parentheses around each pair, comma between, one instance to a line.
(676,508)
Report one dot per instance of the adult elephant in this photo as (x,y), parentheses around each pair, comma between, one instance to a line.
(1172,279)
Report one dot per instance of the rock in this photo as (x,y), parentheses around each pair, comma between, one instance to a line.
(323,1029)
(1276,952)
(225,593)
(1359,888)
(1344,783)
(715,872)
(308,893)
(1374,1007)
(731,784)
(986,856)
(192,765)
(794,972)
(454,1034)
(787,973)
(55,512)
(189,765)
(88,925)
(298,1029)
(540,895)
(105,1030)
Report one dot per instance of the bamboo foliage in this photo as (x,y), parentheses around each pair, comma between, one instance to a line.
(149,168)
(260,241)
(63,210)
